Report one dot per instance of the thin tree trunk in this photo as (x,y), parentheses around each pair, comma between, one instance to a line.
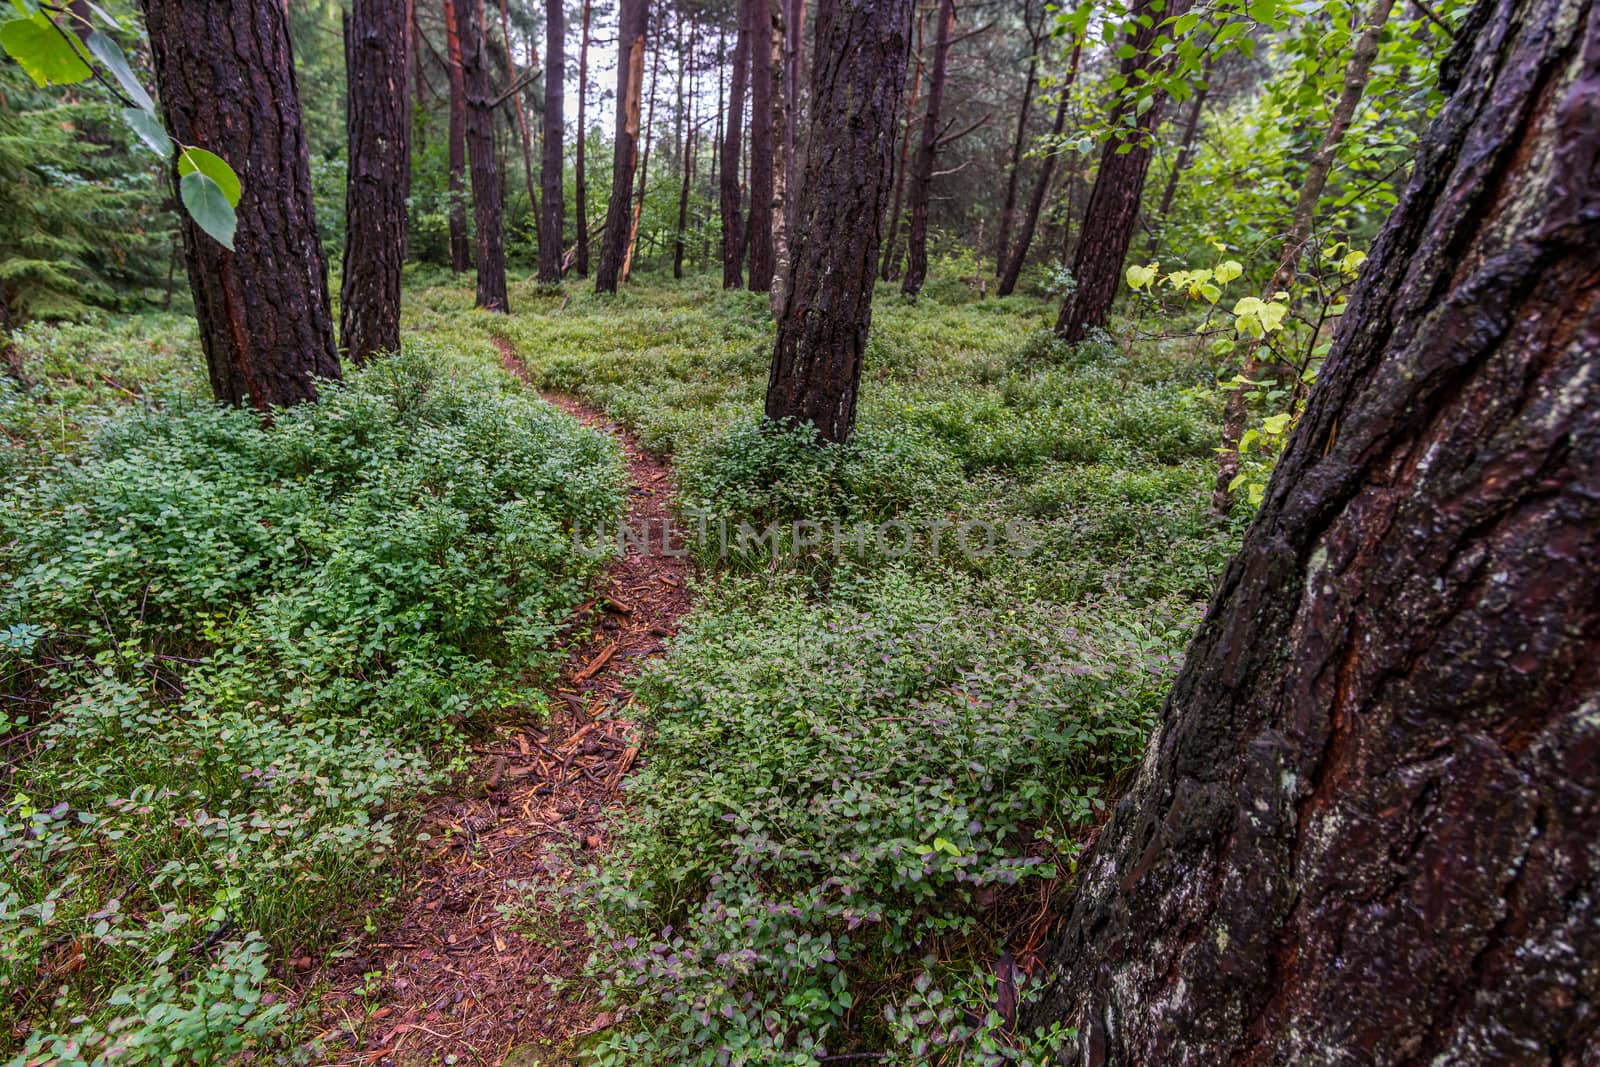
(227,83)
(759,32)
(486,184)
(857,83)
(733,242)
(378,179)
(1367,829)
(1041,185)
(686,149)
(1191,127)
(780,176)
(634,16)
(418,116)
(1113,210)
(794,63)
(1300,223)
(927,148)
(522,116)
(550,166)
(716,143)
(1008,213)
(644,163)
(580,191)
(460,243)
(891,250)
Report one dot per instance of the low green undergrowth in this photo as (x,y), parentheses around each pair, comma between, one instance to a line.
(234,654)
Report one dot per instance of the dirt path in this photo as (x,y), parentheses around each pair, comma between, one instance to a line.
(466,971)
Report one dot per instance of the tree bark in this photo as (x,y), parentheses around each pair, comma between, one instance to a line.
(1041,186)
(460,243)
(550,166)
(891,250)
(1356,74)
(486,187)
(793,59)
(580,192)
(644,162)
(634,15)
(227,84)
(521,116)
(780,176)
(1191,128)
(1008,213)
(857,82)
(686,139)
(733,242)
(1367,830)
(10,358)
(759,31)
(1113,209)
(378,180)
(927,148)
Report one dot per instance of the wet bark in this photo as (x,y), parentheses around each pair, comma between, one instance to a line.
(927,149)
(487,208)
(630,78)
(1368,827)
(227,84)
(460,242)
(379,178)
(758,28)
(857,81)
(1041,185)
(550,167)
(580,194)
(733,238)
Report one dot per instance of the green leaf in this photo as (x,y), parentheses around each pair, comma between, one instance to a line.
(209,207)
(108,52)
(149,129)
(192,160)
(45,52)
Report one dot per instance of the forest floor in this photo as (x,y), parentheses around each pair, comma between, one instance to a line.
(479,964)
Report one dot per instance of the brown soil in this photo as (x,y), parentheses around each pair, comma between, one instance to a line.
(467,968)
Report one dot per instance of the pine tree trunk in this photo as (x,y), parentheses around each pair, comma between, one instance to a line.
(521,115)
(460,243)
(758,29)
(686,138)
(793,59)
(733,242)
(1367,830)
(644,163)
(227,83)
(630,79)
(927,149)
(891,249)
(1191,128)
(1041,186)
(550,167)
(486,188)
(580,192)
(378,180)
(780,176)
(857,82)
(1008,213)
(416,116)
(1356,74)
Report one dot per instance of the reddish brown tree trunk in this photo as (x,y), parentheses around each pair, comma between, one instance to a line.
(634,16)
(486,187)
(460,243)
(891,250)
(378,179)
(227,83)
(580,193)
(758,29)
(927,149)
(1368,828)
(733,242)
(856,85)
(550,167)
(1041,187)
(521,115)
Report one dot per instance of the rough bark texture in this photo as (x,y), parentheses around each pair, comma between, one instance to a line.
(630,79)
(486,187)
(1368,829)
(732,219)
(794,35)
(927,148)
(759,30)
(580,195)
(550,167)
(856,85)
(379,178)
(460,243)
(1041,186)
(227,82)
(1300,223)
(1113,209)
(891,249)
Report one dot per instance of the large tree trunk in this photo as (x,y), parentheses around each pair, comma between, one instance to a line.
(927,148)
(758,28)
(550,167)
(630,79)
(379,178)
(733,242)
(891,250)
(1113,209)
(1041,186)
(780,174)
(460,243)
(580,194)
(486,187)
(1368,828)
(856,84)
(686,138)
(1356,74)
(227,82)
(521,115)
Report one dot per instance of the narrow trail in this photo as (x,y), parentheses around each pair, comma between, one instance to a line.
(466,969)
